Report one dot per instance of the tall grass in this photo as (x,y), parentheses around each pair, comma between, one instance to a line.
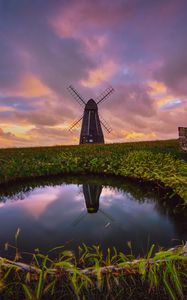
(94,275)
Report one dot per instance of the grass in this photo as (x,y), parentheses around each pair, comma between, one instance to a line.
(91,276)
(161,162)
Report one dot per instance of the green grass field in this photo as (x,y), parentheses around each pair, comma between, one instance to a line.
(160,161)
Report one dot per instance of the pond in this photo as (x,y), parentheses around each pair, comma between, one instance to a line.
(106,211)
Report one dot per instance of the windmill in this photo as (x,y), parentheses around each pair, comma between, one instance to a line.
(91,130)
(91,195)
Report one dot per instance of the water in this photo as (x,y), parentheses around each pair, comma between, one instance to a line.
(89,211)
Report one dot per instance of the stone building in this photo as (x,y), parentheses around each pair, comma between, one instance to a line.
(183,137)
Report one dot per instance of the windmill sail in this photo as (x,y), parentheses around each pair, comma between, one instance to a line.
(76,95)
(105,124)
(75,124)
(105,95)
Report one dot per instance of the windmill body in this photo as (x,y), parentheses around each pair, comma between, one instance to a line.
(91,130)
(91,195)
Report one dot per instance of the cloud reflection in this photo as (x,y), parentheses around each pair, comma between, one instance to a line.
(60,214)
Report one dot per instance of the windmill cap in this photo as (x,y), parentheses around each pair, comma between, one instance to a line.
(92,210)
(91,104)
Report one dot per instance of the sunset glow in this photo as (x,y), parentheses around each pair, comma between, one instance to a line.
(137,47)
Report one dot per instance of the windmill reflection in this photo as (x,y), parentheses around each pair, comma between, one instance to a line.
(91,195)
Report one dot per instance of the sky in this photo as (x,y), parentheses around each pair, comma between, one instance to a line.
(139,47)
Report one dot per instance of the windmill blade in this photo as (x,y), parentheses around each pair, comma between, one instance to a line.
(113,220)
(80,218)
(105,124)
(75,124)
(76,95)
(107,215)
(103,96)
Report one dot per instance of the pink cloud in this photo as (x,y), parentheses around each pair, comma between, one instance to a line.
(139,47)
(103,73)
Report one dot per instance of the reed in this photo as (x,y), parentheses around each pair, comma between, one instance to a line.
(93,274)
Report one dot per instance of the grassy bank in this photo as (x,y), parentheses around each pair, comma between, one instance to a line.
(91,276)
(161,162)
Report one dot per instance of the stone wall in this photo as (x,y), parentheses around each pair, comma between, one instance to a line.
(183,137)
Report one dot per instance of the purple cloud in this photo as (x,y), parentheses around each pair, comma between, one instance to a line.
(47,45)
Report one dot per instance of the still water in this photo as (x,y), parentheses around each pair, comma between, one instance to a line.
(91,212)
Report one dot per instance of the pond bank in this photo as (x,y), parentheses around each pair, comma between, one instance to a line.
(160,162)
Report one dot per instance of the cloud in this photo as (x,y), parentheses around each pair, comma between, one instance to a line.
(7,139)
(30,86)
(163,96)
(135,100)
(157,88)
(100,74)
(78,17)
(139,47)
(10,62)
(174,72)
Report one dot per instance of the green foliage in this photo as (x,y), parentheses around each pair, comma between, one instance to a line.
(160,161)
(91,276)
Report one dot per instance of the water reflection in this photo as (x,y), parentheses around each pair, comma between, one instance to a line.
(92,213)
(91,196)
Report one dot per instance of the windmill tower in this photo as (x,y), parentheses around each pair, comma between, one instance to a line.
(91,195)
(91,130)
